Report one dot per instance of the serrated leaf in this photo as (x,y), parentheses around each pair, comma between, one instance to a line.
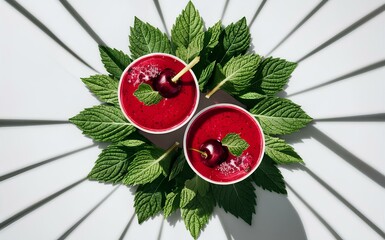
(251,95)
(172,203)
(148,200)
(177,166)
(147,95)
(214,33)
(132,143)
(187,26)
(145,39)
(114,61)
(206,75)
(269,177)
(238,199)
(103,123)
(235,144)
(274,74)
(148,165)
(111,165)
(196,214)
(236,40)
(193,187)
(279,116)
(238,72)
(104,87)
(279,151)
(193,49)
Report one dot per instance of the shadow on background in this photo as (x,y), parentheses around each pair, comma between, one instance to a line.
(275,218)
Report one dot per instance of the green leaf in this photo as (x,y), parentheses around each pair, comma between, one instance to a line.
(148,200)
(147,95)
(114,61)
(205,75)
(238,72)
(196,214)
(103,123)
(274,74)
(279,116)
(236,40)
(177,166)
(111,165)
(214,33)
(193,186)
(187,26)
(194,48)
(251,95)
(148,165)
(280,151)
(145,39)
(238,199)
(235,144)
(269,177)
(172,203)
(104,87)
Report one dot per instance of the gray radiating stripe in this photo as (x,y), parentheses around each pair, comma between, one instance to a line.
(354,73)
(27,122)
(30,167)
(82,22)
(377,117)
(299,25)
(344,201)
(126,228)
(38,204)
(45,29)
(257,12)
(224,9)
(160,13)
(73,227)
(321,219)
(345,32)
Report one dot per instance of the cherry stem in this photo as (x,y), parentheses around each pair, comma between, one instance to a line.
(204,155)
(185,69)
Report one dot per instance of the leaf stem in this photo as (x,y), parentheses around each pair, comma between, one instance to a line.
(185,69)
(203,154)
(172,148)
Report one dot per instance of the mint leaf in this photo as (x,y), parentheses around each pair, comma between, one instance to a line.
(196,214)
(279,116)
(238,72)
(145,39)
(251,95)
(148,200)
(235,144)
(214,32)
(238,199)
(274,74)
(193,49)
(269,177)
(114,61)
(172,203)
(111,165)
(148,165)
(104,87)
(193,186)
(187,26)
(205,75)
(103,123)
(280,151)
(177,166)
(147,95)
(236,40)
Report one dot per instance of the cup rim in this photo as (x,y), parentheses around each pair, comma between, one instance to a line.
(174,128)
(197,116)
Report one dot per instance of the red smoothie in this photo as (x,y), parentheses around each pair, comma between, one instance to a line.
(170,113)
(216,122)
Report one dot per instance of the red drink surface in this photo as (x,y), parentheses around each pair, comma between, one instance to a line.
(169,113)
(216,123)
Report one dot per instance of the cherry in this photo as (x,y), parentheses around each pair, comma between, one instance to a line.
(213,152)
(163,84)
